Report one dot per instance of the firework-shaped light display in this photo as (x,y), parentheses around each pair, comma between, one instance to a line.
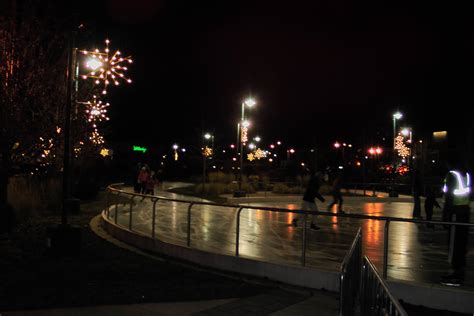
(106,67)
(259,154)
(96,111)
(207,152)
(96,138)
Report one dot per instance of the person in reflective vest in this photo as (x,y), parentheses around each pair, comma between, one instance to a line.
(457,191)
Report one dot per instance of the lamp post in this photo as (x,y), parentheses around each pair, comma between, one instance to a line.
(205,154)
(396,116)
(242,129)
(338,145)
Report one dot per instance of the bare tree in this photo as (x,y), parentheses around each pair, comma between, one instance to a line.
(32,93)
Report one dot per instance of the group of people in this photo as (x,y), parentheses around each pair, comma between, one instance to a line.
(312,192)
(146,180)
(456,208)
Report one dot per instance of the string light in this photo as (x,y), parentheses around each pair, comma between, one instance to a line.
(244,136)
(403,150)
(105,67)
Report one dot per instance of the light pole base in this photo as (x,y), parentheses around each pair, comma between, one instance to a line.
(240,194)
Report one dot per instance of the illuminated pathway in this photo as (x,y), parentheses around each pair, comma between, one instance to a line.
(416,253)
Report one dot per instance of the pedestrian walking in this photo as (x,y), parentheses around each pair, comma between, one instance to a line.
(417,192)
(430,203)
(136,185)
(150,184)
(309,203)
(142,179)
(336,194)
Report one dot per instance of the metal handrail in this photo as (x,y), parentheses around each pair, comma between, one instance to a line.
(350,276)
(376,298)
(387,219)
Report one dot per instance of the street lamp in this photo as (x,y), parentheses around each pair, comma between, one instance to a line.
(102,66)
(242,139)
(206,152)
(338,145)
(175,147)
(396,116)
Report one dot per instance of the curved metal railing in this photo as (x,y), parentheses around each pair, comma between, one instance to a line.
(155,199)
(376,298)
(350,276)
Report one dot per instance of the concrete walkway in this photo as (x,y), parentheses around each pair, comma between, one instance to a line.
(282,301)
(278,303)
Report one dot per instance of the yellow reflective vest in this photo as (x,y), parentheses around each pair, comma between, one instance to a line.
(459,187)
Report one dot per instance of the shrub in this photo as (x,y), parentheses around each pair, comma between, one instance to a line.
(280,188)
(220,177)
(31,196)
(212,189)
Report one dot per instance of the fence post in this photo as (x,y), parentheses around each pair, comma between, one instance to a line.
(237,232)
(385,248)
(107,204)
(303,255)
(189,224)
(130,218)
(116,209)
(153,220)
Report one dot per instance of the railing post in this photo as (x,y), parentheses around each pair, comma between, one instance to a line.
(189,224)
(363,293)
(130,218)
(303,255)
(153,219)
(385,248)
(107,204)
(237,232)
(116,208)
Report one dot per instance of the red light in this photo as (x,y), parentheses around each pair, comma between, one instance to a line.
(371,150)
(378,150)
(232,146)
(292,151)
(337,145)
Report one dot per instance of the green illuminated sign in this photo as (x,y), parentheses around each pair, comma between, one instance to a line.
(138,148)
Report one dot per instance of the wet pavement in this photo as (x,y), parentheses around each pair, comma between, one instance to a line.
(416,253)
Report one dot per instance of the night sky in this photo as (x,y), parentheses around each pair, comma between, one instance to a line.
(320,71)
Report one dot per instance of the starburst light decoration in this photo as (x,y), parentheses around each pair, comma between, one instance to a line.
(106,67)
(251,157)
(207,152)
(96,111)
(96,138)
(259,154)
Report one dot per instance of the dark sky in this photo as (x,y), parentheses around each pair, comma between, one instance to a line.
(320,71)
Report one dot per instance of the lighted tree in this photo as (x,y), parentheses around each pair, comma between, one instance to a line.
(32,92)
